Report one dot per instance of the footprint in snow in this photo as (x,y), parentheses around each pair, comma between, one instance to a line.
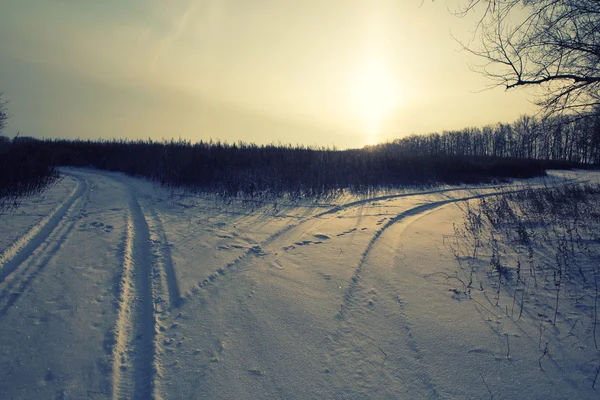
(96,225)
(303,243)
(347,232)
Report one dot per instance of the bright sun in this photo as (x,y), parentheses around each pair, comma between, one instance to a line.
(375,95)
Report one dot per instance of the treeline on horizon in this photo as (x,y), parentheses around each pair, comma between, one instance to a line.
(523,149)
(575,140)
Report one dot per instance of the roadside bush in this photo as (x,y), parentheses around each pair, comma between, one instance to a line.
(538,252)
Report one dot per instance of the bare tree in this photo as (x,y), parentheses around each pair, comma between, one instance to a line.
(552,45)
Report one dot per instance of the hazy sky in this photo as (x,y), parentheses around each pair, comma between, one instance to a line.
(334,72)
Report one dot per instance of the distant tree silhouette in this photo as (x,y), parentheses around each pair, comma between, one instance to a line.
(272,171)
(550,44)
(568,139)
(3,113)
(523,149)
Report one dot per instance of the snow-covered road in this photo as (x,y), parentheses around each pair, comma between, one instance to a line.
(111,287)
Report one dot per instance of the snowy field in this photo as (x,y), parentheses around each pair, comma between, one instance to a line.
(114,288)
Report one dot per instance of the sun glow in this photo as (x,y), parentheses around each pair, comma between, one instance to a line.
(375,95)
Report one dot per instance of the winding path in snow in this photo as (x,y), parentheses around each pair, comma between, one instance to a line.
(406,218)
(148,292)
(352,348)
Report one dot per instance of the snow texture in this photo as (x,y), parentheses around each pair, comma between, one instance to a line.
(114,288)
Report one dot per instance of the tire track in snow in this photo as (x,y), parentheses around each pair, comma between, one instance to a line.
(166,295)
(148,288)
(25,245)
(407,216)
(374,361)
(257,250)
(160,248)
(355,351)
(166,289)
(134,352)
(435,191)
(360,352)
(14,285)
(361,202)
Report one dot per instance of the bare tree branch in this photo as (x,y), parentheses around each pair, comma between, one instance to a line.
(553,44)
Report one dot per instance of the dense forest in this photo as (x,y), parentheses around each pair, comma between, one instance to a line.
(525,148)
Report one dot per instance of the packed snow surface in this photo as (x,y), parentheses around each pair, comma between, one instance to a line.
(114,288)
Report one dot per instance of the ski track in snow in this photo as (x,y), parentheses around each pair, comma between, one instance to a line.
(27,256)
